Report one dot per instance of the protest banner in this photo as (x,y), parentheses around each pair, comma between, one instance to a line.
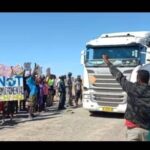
(11,88)
(1,69)
(5,71)
(17,70)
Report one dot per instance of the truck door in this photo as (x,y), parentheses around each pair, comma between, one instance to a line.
(142,53)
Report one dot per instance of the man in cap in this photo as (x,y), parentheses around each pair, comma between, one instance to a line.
(78,90)
(69,89)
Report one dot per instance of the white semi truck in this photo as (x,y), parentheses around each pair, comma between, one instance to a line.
(127,51)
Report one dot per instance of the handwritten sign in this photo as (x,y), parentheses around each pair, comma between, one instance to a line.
(27,66)
(17,70)
(11,88)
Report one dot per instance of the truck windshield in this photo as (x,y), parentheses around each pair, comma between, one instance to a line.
(123,56)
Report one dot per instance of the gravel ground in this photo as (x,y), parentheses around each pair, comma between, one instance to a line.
(72,124)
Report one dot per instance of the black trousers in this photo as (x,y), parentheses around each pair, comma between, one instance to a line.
(62,100)
(44,101)
(11,107)
(78,95)
(22,104)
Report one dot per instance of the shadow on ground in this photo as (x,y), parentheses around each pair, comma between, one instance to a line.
(107,115)
(23,116)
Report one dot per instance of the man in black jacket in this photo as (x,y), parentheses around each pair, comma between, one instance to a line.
(62,91)
(137,114)
(69,89)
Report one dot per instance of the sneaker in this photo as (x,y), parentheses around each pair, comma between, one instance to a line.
(58,108)
(31,116)
(64,108)
(76,106)
(61,108)
(3,121)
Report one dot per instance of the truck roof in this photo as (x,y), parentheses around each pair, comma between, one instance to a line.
(135,34)
(120,38)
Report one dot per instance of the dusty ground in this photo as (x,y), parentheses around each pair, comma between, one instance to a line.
(72,124)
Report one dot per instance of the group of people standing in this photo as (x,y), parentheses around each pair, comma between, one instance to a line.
(43,89)
(40,91)
(66,86)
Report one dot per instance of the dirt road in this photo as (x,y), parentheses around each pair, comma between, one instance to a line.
(72,124)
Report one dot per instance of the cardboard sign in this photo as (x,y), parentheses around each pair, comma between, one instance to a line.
(39,70)
(17,70)
(27,66)
(48,71)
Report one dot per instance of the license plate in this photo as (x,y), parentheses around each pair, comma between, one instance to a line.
(107,109)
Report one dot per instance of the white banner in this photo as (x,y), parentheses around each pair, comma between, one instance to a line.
(11,88)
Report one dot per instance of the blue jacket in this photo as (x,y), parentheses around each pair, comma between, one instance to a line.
(32,86)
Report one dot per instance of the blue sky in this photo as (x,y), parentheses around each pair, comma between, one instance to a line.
(55,40)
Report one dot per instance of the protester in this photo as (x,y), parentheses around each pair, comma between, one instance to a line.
(11,109)
(137,114)
(33,93)
(45,90)
(69,89)
(51,83)
(2,110)
(40,93)
(62,91)
(78,89)
(26,75)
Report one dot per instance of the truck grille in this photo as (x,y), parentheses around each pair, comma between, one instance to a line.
(108,104)
(107,90)
(108,98)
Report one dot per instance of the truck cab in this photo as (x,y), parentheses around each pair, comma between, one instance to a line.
(127,50)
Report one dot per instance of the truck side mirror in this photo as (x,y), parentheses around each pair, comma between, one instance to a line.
(82,57)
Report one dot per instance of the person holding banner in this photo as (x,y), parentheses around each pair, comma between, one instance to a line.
(26,75)
(2,110)
(40,85)
(33,92)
